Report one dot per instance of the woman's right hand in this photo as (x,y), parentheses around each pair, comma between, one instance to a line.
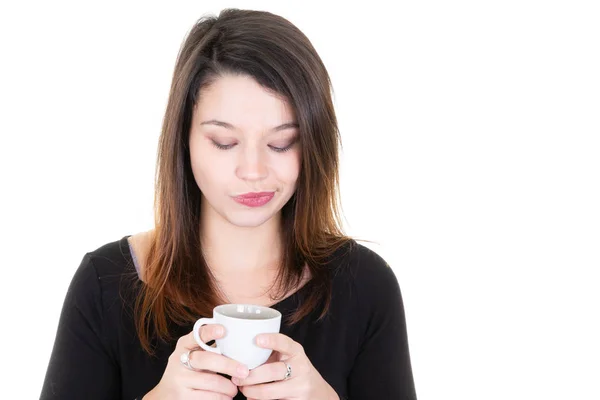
(179,382)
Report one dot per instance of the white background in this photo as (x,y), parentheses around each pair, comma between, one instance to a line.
(471,158)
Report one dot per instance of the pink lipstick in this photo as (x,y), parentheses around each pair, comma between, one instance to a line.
(256,199)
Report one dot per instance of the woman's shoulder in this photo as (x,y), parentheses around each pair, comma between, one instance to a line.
(358,260)
(365,271)
(104,271)
(96,282)
(112,259)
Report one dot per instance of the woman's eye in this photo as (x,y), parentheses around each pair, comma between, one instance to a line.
(278,149)
(222,146)
(281,149)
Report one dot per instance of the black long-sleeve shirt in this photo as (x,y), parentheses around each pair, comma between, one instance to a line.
(360,348)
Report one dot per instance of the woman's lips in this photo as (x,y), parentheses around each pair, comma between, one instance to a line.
(255,199)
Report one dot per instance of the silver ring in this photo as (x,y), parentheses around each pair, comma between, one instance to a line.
(185,359)
(288,372)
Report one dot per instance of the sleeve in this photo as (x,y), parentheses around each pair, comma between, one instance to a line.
(382,368)
(81,365)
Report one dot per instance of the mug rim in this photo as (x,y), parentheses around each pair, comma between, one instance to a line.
(217,310)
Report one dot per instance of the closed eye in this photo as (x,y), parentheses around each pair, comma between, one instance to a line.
(281,149)
(222,146)
(274,148)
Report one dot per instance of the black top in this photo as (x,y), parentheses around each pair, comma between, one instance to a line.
(360,348)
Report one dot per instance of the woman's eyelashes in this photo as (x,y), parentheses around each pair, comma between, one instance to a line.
(281,149)
(276,148)
(222,146)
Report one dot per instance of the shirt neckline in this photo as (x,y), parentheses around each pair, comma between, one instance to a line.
(280,305)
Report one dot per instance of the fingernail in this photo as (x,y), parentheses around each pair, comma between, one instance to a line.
(219,331)
(242,371)
(261,341)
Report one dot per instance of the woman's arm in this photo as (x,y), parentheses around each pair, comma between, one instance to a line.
(382,369)
(81,365)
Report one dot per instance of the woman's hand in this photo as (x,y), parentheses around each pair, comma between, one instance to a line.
(179,382)
(268,381)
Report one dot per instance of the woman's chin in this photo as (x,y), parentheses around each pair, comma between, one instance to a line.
(249,219)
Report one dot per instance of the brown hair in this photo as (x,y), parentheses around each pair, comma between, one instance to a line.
(178,285)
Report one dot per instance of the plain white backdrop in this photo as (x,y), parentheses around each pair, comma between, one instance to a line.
(471,158)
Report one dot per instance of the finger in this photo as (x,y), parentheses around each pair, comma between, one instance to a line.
(205,360)
(211,332)
(275,356)
(265,373)
(276,390)
(210,383)
(207,333)
(279,342)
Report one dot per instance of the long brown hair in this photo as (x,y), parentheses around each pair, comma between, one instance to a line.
(178,285)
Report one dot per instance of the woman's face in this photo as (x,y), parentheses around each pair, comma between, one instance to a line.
(244,151)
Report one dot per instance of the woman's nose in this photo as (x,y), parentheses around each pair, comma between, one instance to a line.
(251,165)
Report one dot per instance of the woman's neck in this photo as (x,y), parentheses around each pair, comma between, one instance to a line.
(232,249)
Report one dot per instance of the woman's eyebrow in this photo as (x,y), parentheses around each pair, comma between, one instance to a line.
(227,125)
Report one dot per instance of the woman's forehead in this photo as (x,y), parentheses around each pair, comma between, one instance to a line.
(239,102)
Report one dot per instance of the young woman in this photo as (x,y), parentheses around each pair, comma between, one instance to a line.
(246,212)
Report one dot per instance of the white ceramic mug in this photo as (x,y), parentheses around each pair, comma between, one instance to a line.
(242,322)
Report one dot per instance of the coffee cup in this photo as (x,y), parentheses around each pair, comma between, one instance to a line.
(242,323)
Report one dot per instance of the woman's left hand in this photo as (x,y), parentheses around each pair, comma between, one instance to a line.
(268,380)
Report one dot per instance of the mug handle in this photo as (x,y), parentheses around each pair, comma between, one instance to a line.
(197,325)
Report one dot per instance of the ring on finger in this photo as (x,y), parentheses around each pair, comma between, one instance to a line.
(288,372)
(186,359)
